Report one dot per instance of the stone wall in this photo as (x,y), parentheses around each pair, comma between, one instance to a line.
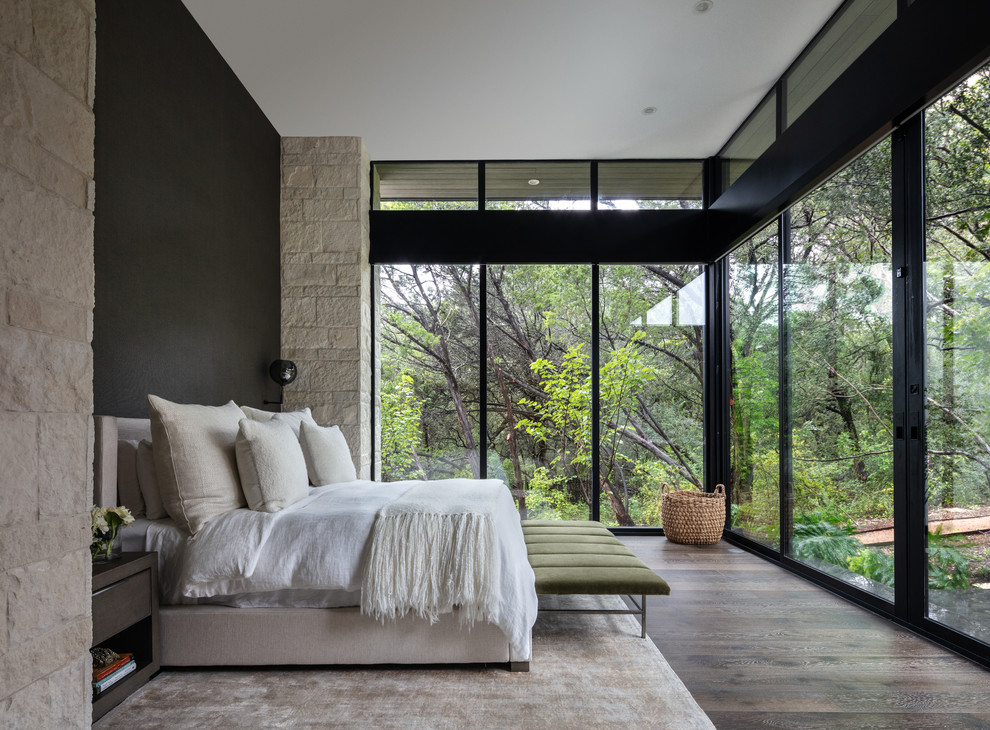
(47,56)
(326,284)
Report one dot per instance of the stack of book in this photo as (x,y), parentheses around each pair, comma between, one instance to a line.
(109,675)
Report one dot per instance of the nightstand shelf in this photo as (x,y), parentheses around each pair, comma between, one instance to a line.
(125,619)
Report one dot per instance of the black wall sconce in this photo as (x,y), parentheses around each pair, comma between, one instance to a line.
(283,372)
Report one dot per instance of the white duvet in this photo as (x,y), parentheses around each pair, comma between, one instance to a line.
(314,553)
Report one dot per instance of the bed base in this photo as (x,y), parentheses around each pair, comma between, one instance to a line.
(204,635)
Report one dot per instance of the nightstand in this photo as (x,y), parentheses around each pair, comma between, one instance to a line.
(125,619)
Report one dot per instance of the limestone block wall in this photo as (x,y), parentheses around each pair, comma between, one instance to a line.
(326,284)
(47,53)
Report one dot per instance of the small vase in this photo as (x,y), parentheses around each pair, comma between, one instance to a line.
(105,551)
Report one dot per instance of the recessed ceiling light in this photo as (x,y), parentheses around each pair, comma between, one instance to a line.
(649,110)
(703,6)
(534,181)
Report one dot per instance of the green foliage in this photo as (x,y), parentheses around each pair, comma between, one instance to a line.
(401,413)
(947,566)
(820,536)
(875,565)
(546,500)
(564,413)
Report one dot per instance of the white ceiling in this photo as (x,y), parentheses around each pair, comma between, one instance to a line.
(511,79)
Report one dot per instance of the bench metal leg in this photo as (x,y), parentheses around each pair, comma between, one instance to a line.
(640,611)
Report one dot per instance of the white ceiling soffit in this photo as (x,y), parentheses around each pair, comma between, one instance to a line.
(511,79)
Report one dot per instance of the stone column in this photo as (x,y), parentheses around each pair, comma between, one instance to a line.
(47,54)
(326,284)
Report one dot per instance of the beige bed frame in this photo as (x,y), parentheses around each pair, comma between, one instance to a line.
(224,636)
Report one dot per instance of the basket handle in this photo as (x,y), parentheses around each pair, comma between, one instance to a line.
(664,488)
(719,490)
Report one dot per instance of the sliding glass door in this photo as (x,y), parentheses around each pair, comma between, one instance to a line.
(957,395)
(837,303)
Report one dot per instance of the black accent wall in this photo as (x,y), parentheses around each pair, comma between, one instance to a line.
(187,218)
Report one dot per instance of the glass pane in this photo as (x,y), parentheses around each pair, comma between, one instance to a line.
(649,185)
(651,382)
(837,301)
(751,141)
(539,387)
(429,372)
(426,186)
(860,23)
(538,186)
(754,487)
(958,357)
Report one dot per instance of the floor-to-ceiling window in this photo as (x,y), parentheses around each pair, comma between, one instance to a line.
(957,390)
(651,345)
(837,305)
(580,385)
(539,387)
(840,346)
(754,405)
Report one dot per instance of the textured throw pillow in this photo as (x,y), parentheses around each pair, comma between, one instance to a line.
(148,482)
(128,491)
(295,419)
(292,418)
(271,465)
(328,459)
(195,460)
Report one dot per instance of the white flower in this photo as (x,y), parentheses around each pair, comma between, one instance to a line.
(106,521)
(126,518)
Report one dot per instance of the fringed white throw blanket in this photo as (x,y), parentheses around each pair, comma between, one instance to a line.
(433,548)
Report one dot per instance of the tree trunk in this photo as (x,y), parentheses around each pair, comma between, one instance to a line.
(621,513)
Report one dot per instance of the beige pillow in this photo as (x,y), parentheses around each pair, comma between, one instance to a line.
(148,481)
(195,460)
(271,464)
(328,459)
(128,491)
(293,418)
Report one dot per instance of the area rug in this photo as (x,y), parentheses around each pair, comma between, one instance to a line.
(587,671)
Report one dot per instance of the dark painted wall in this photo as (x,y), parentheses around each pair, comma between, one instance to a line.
(187,218)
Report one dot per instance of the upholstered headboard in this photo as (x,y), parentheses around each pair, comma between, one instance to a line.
(110,429)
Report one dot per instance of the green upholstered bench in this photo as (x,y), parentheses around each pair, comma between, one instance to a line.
(584,558)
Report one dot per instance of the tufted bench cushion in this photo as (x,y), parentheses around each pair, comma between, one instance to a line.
(571,558)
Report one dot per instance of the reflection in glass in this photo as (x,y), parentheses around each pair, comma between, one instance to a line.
(957,391)
(642,185)
(539,387)
(538,186)
(754,487)
(429,372)
(651,347)
(837,301)
(858,25)
(425,186)
(751,141)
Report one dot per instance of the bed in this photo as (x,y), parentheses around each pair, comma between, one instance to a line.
(208,631)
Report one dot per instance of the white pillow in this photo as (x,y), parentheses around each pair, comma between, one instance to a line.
(293,418)
(195,460)
(128,491)
(271,465)
(328,459)
(148,482)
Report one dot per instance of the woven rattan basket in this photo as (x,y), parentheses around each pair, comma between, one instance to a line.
(693,518)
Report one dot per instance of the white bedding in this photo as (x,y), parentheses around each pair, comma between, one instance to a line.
(313,554)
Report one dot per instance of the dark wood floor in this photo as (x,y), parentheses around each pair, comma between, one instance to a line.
(758,647)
